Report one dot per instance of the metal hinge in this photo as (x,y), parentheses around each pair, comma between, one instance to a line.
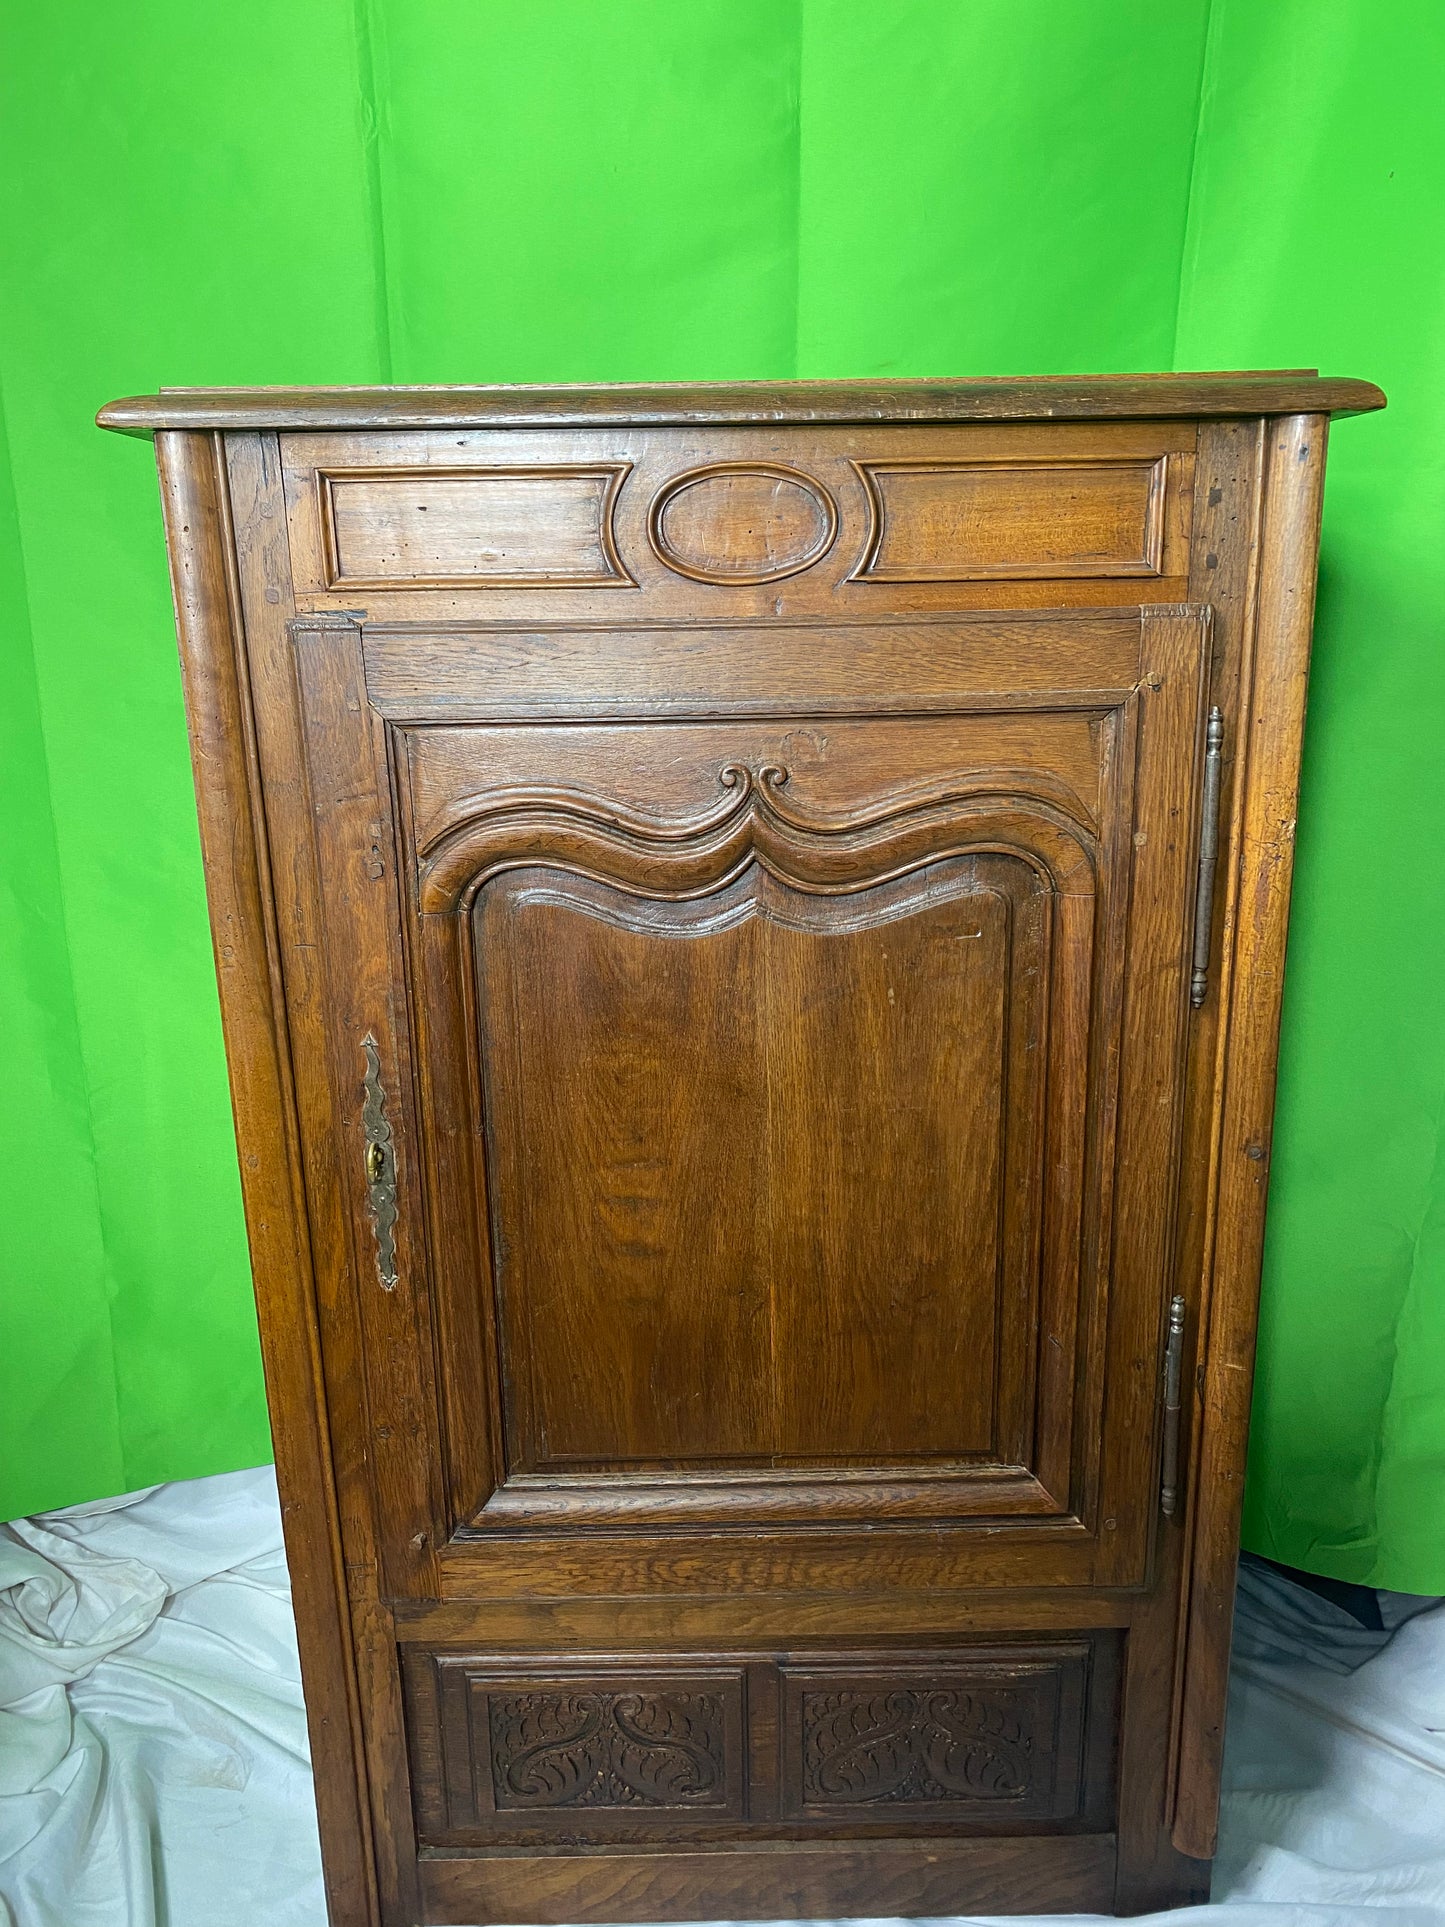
(1173,1369)
(1208,857)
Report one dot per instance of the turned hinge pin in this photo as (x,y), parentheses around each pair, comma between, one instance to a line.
(1208,857)
(1173,1372)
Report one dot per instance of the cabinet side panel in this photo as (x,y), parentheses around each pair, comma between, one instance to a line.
(1223,571)
(199,540)
(1267,765)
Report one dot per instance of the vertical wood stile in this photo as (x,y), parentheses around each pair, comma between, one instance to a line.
(238,890)
(1270,757)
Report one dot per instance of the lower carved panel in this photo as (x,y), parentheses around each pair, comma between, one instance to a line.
(645,1749)
(998,1737)
(913,1746)
(536,1748)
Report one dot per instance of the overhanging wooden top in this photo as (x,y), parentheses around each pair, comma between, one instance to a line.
(1295,391)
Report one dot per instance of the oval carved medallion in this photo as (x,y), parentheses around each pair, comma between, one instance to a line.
(740,522)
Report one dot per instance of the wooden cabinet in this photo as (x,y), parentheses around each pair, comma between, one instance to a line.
(754,1121)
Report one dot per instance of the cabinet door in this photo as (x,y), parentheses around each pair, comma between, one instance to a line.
(773,1119)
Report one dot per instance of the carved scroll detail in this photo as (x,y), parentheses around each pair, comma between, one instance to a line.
(630,1749)
(753,821)
(861,1747)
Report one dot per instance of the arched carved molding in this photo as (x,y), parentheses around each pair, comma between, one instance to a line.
(753,823)
(736,783)
(758,894)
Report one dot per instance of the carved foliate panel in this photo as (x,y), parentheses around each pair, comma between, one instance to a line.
(995,1738)
(529,1748)
(644,1749)
(984,1737)
(860,1747)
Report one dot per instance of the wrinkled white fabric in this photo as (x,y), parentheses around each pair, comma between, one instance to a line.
(153,1761)
(1336,1786)
(153,1765)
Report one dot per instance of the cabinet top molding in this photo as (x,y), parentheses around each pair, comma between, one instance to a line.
(1290,391)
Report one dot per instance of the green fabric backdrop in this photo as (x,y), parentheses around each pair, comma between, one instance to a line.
(464,190)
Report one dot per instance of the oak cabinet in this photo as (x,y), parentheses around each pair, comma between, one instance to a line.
(749,924)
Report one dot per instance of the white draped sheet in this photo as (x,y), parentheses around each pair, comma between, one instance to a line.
(153,1760)
(154,1773)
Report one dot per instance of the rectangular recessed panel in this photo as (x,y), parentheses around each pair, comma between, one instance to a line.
(959,522)
(965,660)
(500,526)
(887,1879)
(763,1167)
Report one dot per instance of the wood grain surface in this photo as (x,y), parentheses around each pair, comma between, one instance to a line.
(703,890)
(1017,398)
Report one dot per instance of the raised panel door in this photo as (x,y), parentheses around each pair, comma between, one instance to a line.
(783,1120)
